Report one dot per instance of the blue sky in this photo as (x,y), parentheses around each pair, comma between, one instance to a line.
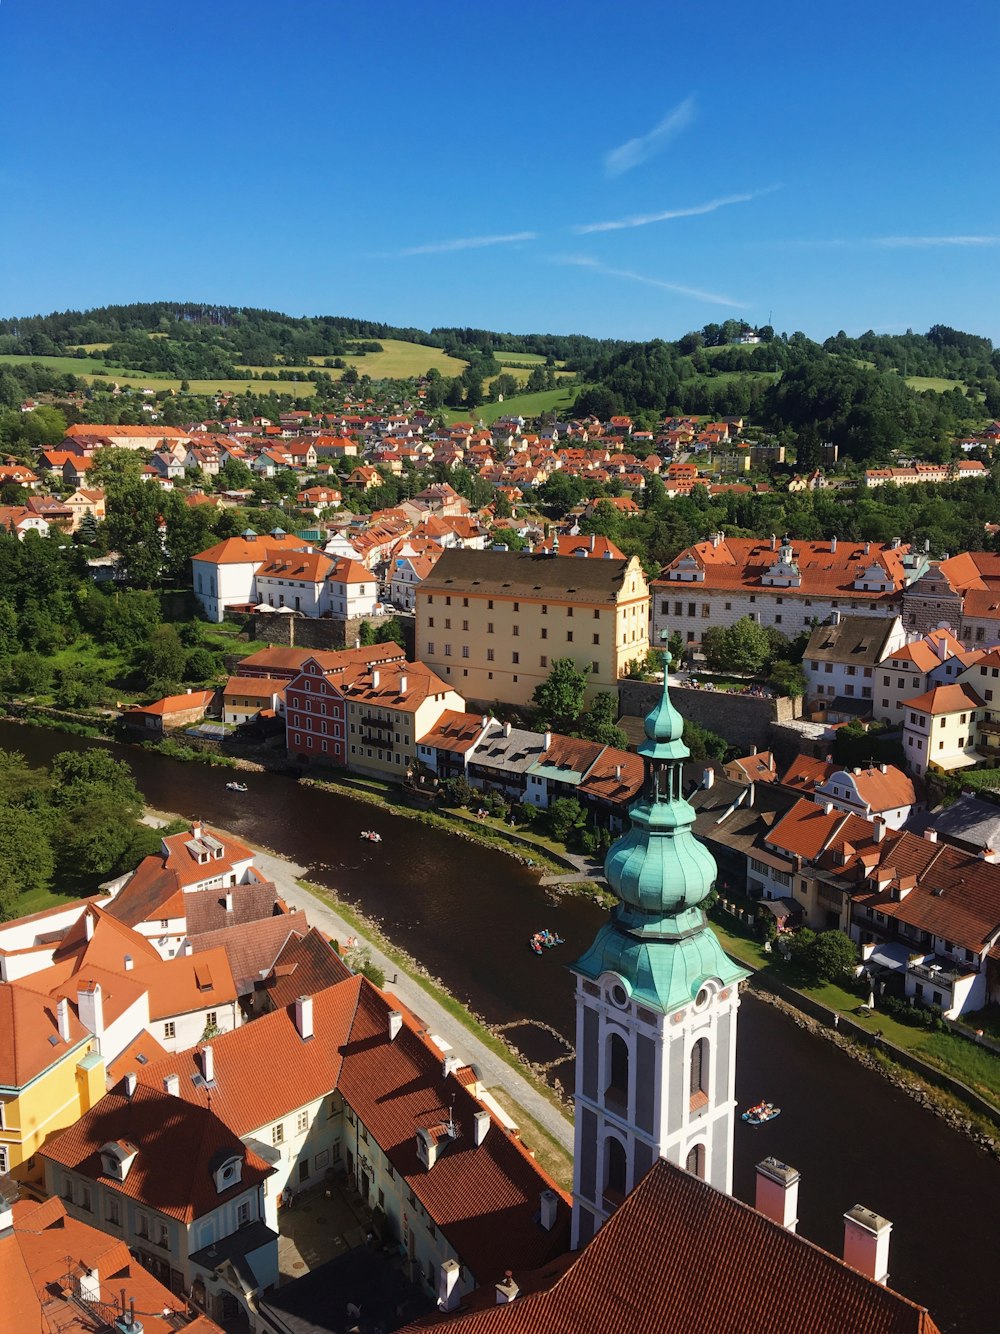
(631,170)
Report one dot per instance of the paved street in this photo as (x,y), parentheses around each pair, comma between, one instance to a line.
(495,1071)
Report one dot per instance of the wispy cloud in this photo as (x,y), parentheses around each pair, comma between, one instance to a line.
(465,243)
(631,154)
(643,219)
(587,262)
(919,242)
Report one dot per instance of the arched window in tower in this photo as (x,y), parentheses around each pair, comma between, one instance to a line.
(695,1162)
(616,1093)
(615,1172)
(698,1089)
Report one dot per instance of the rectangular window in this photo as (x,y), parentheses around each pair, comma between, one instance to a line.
(170,1029)
(447,622)
(545,633)
(543,661)
(243,1213)
(489,655)
(114,1210)
(489,627)
(517,606)
(278,1133)
(302,1122)
(430,622)
(569,611)
(515,658)
(430,654)
(545,610)
(597,639)
(465,625)
(692,608)
(465,650)
(595,667)
(569,636)
(516,631)
(447,650)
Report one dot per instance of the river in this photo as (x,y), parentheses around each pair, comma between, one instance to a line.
(466,913)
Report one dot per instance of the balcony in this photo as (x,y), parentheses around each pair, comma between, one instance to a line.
(941,972)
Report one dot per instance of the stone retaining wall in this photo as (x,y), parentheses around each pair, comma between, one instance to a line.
(744,721)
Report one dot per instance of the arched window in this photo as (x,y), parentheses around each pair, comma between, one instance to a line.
(698,1088)
(616,1093)
(695,1162)
(615,1172)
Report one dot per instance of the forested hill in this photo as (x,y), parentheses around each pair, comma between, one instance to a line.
(198,339)
(870,395)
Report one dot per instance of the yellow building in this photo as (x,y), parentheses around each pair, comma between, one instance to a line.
(50,1073)
(492,623)
(388,707)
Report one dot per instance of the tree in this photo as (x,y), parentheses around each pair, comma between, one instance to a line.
(27,862)
(832,955)
(200,665)
(788,678)
(703,744)
(133,532)
(390,632)
(164,658)
(743,647)
(115,469)
(600,722)
(564,815)
(559,698)
(366,634)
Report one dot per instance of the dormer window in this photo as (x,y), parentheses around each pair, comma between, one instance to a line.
(227,1170)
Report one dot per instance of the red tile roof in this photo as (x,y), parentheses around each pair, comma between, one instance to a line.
(177,1144)
(650,1270)
(945,699)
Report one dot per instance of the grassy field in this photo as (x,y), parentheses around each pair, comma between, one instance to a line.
(399,360)
(521,405)
(935,382)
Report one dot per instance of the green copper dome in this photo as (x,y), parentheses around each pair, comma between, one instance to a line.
(664,727)
(658,938)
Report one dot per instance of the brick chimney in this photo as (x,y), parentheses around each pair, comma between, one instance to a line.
(90,1007)
(62,1018)
(208,1063)
(549,1208)
(449,1296)
(172,1085)
(777,1194)
(866,1243)
(304,1017)
(395,1024)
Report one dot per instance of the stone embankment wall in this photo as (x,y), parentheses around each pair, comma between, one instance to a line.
(744,720)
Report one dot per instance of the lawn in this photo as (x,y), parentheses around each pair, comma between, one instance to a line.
(90,370)
(954,1055)
(521,405)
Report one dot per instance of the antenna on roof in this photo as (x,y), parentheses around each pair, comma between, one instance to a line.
(451,1117)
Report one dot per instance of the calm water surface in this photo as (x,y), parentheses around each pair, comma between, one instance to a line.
(467,913)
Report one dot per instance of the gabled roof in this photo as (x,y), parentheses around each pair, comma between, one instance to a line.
(178,1143)
(808,830)
(29,1034)
(742,562)
(187,983)
(648,1271)
(47,1247)
(305,964)
(854,639)
(251,947)
(455,731)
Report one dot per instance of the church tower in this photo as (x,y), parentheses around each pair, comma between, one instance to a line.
(656,1002)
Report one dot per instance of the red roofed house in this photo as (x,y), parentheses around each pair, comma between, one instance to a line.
(940,729)
(788,584)
(173,1182)
(366,1091)
(171,711)
(58,1273)
(223,575)
(198,882)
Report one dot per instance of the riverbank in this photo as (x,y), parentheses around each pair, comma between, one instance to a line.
(567,873)
(518,1084)
(952,1084)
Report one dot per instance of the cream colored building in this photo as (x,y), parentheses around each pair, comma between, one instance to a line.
(940,729)
(388,707)
(492,623)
